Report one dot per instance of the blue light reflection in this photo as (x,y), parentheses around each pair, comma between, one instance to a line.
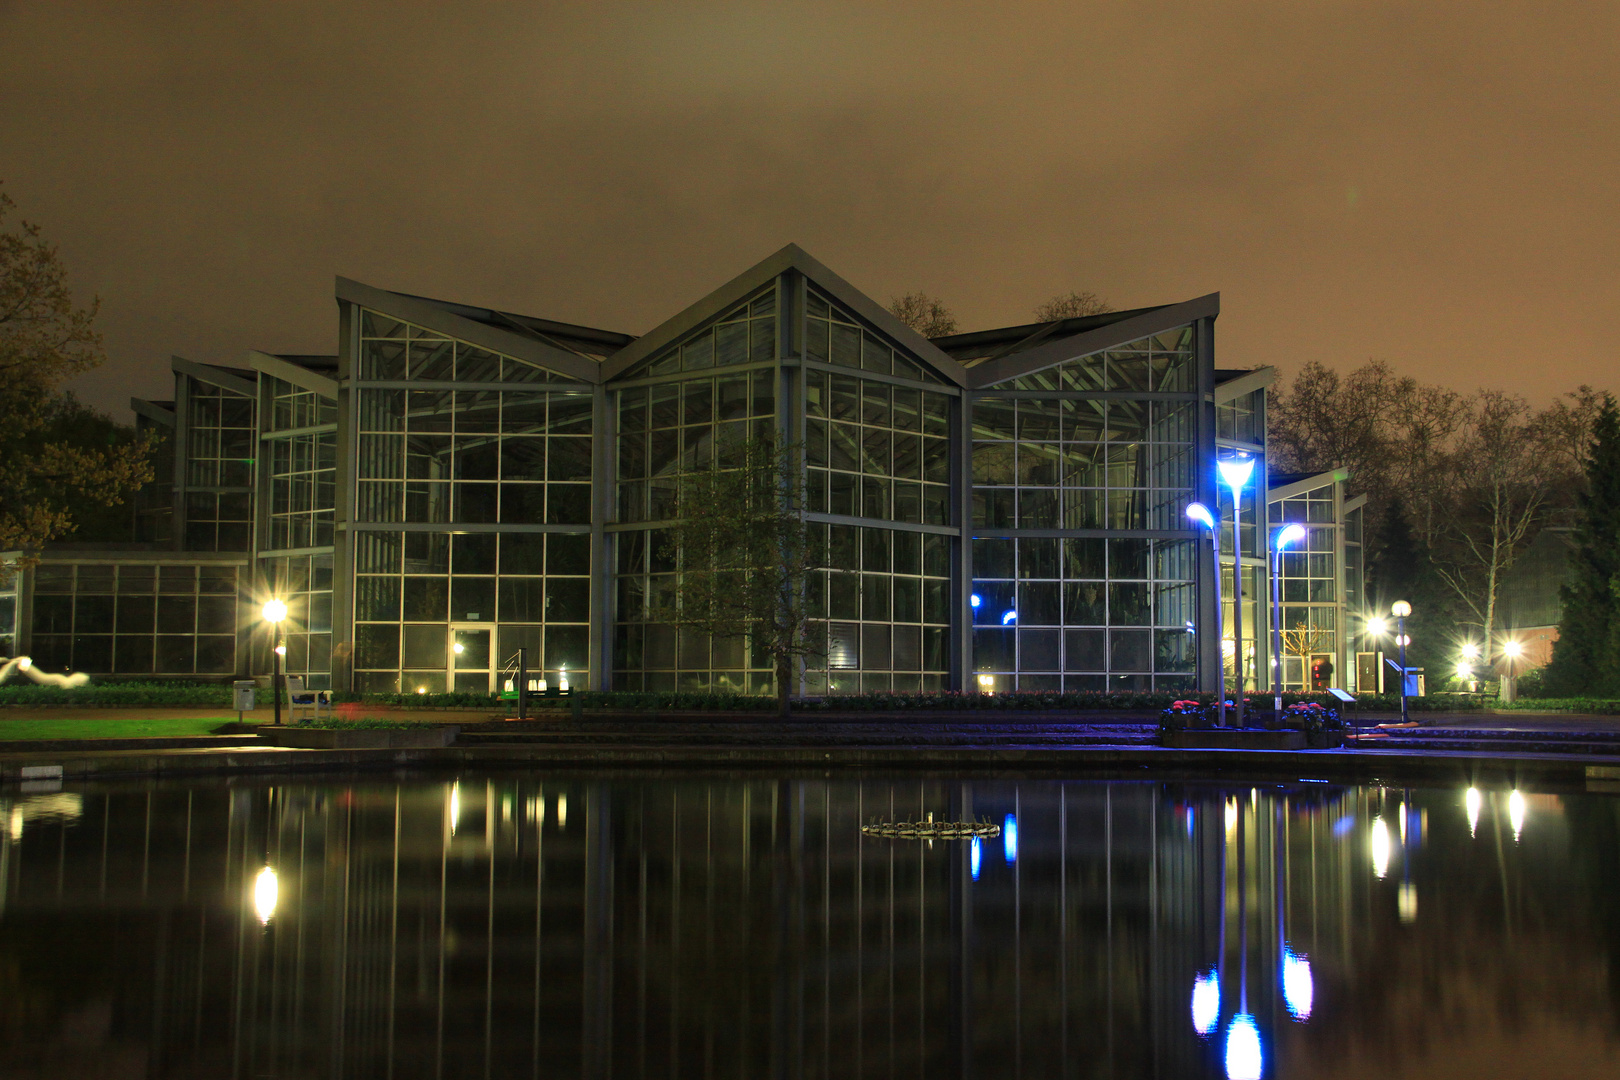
(1298,986)
(974,600)
(1009,838)
(974,851)
(1008,616)
(1243,1057)
(1206,1002)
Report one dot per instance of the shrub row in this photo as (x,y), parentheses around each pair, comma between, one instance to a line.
(124,693)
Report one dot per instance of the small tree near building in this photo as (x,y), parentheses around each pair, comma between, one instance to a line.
(51,467)
(1071,305)
(925,314)
(1586,659)
(743,558)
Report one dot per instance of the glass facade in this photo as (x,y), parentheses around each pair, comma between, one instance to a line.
(135,618)
(1320,583)
(882,611)
(1098,453)
(457,484)
(220,458)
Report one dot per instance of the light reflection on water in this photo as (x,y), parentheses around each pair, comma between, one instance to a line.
(744,927)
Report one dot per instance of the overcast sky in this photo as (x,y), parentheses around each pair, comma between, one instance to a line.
(1432,184)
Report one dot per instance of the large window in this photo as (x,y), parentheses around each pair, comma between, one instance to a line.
(304,584)
(745,335)
(672,429)
(135,619)
(875,450)
(220,453)
(834,336)
(1082,613)
(886,602)
(414,588)
(1081,463)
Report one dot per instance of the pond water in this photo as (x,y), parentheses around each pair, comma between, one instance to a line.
(520,925)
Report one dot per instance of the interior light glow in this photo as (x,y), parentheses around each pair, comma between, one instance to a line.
(1516,812)
(562,678)
(1009,838)
(1379,844)
(1206,1002)
(1471,800)
(987,682)
(421,689)
(975,852)
(1298,986)
(265,893)
(1008,617)
(459,648)
(1243,1058)
(1236,471)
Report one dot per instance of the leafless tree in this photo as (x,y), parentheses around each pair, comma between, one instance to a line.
(923,313)
(1071,305)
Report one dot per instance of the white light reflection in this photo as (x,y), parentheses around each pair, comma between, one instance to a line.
(1471,800)
(975,852)
(455,806)
(1379,843)
(562,812)
(1516,813)
(1009,838)
(265,893)
(1299,987)
(1406,902)
(1206,1002)
(1243,1058)
(1231,816)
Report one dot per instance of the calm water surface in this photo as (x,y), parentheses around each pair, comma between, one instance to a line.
(513,925)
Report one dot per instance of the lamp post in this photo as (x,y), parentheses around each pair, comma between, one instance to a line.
(1512,650)
(1286,535)
(1401,609)
(1236,473)
(1200,513)
(274,612)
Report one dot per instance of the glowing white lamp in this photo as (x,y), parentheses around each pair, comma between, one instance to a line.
(1236,472)
(1200,513)
(1470,651)
(274,611)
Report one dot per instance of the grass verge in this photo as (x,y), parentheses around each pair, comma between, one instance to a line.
(175,727)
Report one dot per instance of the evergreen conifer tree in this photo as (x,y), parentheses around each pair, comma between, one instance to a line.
(1586,659)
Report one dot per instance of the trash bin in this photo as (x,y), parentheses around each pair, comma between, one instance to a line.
(242,695)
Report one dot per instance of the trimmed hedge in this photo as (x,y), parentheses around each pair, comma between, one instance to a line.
(125,693)
(1592,706)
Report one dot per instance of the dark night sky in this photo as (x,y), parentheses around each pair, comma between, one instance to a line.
(1434,185)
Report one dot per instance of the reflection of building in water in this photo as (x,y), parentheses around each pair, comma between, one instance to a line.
(517,927)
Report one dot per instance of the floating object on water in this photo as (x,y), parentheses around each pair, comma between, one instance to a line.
(930,829)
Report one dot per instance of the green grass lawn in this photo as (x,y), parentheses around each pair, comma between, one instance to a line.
(110,729)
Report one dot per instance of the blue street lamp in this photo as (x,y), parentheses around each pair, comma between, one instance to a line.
(1286,535)
(1200,513)
(1236,473)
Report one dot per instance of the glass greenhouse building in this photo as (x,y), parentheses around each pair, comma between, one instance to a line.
(1000,510)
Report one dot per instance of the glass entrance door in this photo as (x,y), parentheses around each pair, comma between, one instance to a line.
(470,669)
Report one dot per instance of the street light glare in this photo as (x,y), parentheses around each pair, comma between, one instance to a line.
(1400,609)
(274,611)
(1288,534)
(1513,649)
(1236,472)
(1200,513)
(1376,626)
(1470,650)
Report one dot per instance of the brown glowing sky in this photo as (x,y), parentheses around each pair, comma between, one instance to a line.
(1434,185)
